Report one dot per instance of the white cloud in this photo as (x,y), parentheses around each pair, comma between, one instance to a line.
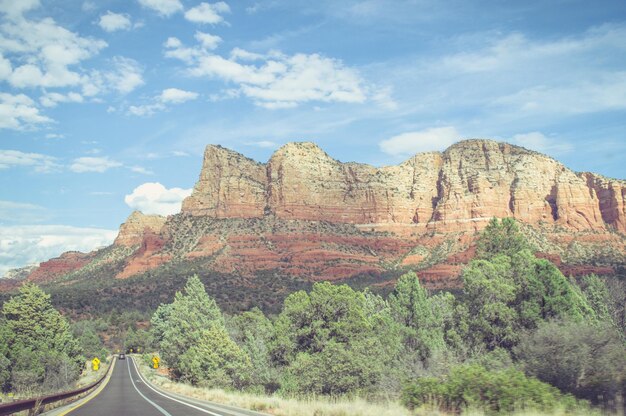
(88,6)
(17,8)
(275,80)
(27,244)
(142,170)
(47,52)
(176,96)
(606,92)
(40,163)
(54,136)
(5,68)
(207,13)
(513,80)
(160,102)
(163,7)
(127,75)
(267,144)
(154,198)
(145,110)
(207,40)
(17,212)
(538,141)
(410,143)
(93,164)
(51,99)
(114,21)
(19,111)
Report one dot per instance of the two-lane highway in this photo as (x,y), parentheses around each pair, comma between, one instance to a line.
(127,393)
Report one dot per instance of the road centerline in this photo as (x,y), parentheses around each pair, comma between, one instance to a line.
(168,397)
(159,408)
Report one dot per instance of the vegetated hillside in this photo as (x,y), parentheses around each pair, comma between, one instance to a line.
(255,232)
(519,337)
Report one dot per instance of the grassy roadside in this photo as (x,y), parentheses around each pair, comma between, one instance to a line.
(313,406)
(89,376)
(274,405)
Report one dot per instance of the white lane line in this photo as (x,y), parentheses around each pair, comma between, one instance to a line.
(159,408)
(171,398)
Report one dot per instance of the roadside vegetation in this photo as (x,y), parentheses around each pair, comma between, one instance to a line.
(40,352)
(519,338)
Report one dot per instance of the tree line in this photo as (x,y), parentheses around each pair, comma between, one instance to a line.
(519,335)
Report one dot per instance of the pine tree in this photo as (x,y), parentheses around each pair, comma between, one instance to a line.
(42,348)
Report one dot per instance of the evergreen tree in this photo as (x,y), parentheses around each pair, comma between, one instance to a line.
(489,294)
(420,317)
(253,332)
(583,358)
(336,330)
(193,341)
(5,364)
(42,349)
(500,237)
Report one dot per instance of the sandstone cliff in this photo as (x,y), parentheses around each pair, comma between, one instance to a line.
(132,231)
(306,215)
(458,189)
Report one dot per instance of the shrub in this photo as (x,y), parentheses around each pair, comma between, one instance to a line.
(473,386)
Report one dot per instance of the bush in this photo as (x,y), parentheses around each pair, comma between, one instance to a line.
(579,358)
(473,386)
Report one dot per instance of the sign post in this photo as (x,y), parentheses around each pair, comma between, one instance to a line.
(95,364)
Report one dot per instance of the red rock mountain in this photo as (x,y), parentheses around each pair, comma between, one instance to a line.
(307,215)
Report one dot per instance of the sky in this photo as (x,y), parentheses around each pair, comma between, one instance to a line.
(106,105)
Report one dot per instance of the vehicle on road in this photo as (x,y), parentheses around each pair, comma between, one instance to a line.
(122,356)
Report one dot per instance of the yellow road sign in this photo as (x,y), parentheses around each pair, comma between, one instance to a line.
(155,362)
(95,364)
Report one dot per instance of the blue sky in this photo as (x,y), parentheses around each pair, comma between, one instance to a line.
(106,106)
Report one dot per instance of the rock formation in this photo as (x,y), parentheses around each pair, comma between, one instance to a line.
(60,266)
(306,215)
(132,231)
(458,189)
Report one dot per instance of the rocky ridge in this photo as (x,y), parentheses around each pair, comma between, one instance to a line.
(306,215)
(469,183)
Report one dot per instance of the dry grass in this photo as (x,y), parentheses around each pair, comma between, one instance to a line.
(313,406)
(279,406)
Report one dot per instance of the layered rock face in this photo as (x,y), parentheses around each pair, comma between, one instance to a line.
(132,231)
(458,189)
(60,266)
(612,196)
(230,186)
(307,215)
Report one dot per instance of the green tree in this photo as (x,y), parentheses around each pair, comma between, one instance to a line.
(5,364)
(86,332)
(333,321)
(582,358)
(42,349)
(507,294)
(543,293)
(489,292)
(421,320)
(215,360)
(597,296)
(500,237)
(137,340)
(494,391)
(253,332)
(192,338)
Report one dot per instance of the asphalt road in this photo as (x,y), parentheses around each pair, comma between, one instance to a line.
(127,394)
